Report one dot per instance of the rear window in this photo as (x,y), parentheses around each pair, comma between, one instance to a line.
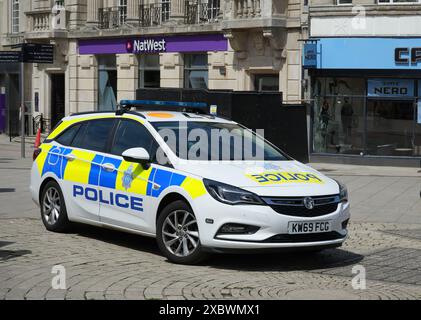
(94,135)
(67,136)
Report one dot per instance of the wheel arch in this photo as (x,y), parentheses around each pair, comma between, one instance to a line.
(169,198)
(43,184)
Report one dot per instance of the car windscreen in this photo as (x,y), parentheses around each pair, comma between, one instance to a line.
(209,141)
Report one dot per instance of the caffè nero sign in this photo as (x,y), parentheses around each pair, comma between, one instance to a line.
(148,45)
(390,88)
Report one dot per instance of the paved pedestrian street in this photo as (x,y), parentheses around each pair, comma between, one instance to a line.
(103,264)
(380,260)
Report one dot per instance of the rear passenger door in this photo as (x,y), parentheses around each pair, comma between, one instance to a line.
(131,208)
(84,170)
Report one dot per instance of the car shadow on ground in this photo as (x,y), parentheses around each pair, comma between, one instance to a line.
(286,261)
(280,261)
(115,237)
(10,254)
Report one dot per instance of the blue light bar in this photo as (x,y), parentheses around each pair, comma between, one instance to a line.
(135,103)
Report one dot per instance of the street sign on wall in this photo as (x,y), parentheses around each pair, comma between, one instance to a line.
(29,53)
(310,55)
(38,53)
(10,56)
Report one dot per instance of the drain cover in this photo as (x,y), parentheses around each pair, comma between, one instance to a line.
(7,190)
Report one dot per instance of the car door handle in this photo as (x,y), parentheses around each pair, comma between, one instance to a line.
(70,157)
(109,167)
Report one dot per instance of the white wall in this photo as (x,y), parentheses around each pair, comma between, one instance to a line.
(368,26)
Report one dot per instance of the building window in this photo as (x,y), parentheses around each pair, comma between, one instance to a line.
(339,2)
(166,9)
(149,71)
(107,82)
(122,11)
(338,115)
(361,116)
(196,71)
(266,82)
(15,16)
(213,7)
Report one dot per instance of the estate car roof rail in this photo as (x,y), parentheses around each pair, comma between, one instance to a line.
(154,105)
(100,112)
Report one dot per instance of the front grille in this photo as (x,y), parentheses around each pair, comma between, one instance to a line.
(294,206)
(295,238)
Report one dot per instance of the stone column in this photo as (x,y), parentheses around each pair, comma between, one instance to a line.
(177,11)
(133,12)
(127,76)
(93,12)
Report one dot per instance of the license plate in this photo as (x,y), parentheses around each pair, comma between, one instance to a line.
(309,227)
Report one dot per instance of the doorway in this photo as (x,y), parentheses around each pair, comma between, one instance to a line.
(57,98)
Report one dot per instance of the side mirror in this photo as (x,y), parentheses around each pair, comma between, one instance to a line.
(137,155)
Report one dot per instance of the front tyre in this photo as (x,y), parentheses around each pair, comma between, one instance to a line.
(178,234)
(53,208)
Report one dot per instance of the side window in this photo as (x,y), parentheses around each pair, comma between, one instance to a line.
(67,136)
(94,135)
(131,134)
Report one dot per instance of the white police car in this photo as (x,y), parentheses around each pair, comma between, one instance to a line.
(139,171)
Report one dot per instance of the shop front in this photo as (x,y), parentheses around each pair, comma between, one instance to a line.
(161,61)
(365,100)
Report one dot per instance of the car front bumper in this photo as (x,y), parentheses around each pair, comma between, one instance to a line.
(273,227)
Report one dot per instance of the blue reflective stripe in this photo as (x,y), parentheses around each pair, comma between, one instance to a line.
(108,179)
(177,179)
(95,170)
(163,179)
(55,162)
(64,162)
(151,179)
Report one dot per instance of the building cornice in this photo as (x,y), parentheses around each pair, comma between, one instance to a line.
(372,10)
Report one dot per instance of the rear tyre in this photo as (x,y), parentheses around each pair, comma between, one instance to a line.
(53,208)
(178,234)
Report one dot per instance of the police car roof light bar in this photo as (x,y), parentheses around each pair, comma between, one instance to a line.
(197,107)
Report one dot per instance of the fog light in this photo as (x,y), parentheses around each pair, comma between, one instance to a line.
(345,224)
(234,228)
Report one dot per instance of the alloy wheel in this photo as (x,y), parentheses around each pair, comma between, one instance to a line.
(180,233)
(51,206)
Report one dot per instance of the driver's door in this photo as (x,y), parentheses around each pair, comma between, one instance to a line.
(126,204)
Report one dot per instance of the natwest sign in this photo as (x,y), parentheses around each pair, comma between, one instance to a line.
(146,45)
(177,43)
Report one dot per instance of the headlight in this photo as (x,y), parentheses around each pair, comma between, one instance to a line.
(231,195)
(343,192)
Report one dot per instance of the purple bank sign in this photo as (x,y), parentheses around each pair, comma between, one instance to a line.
(194,43)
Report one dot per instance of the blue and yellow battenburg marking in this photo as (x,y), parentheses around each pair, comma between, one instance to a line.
(277,177)
(128,177)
